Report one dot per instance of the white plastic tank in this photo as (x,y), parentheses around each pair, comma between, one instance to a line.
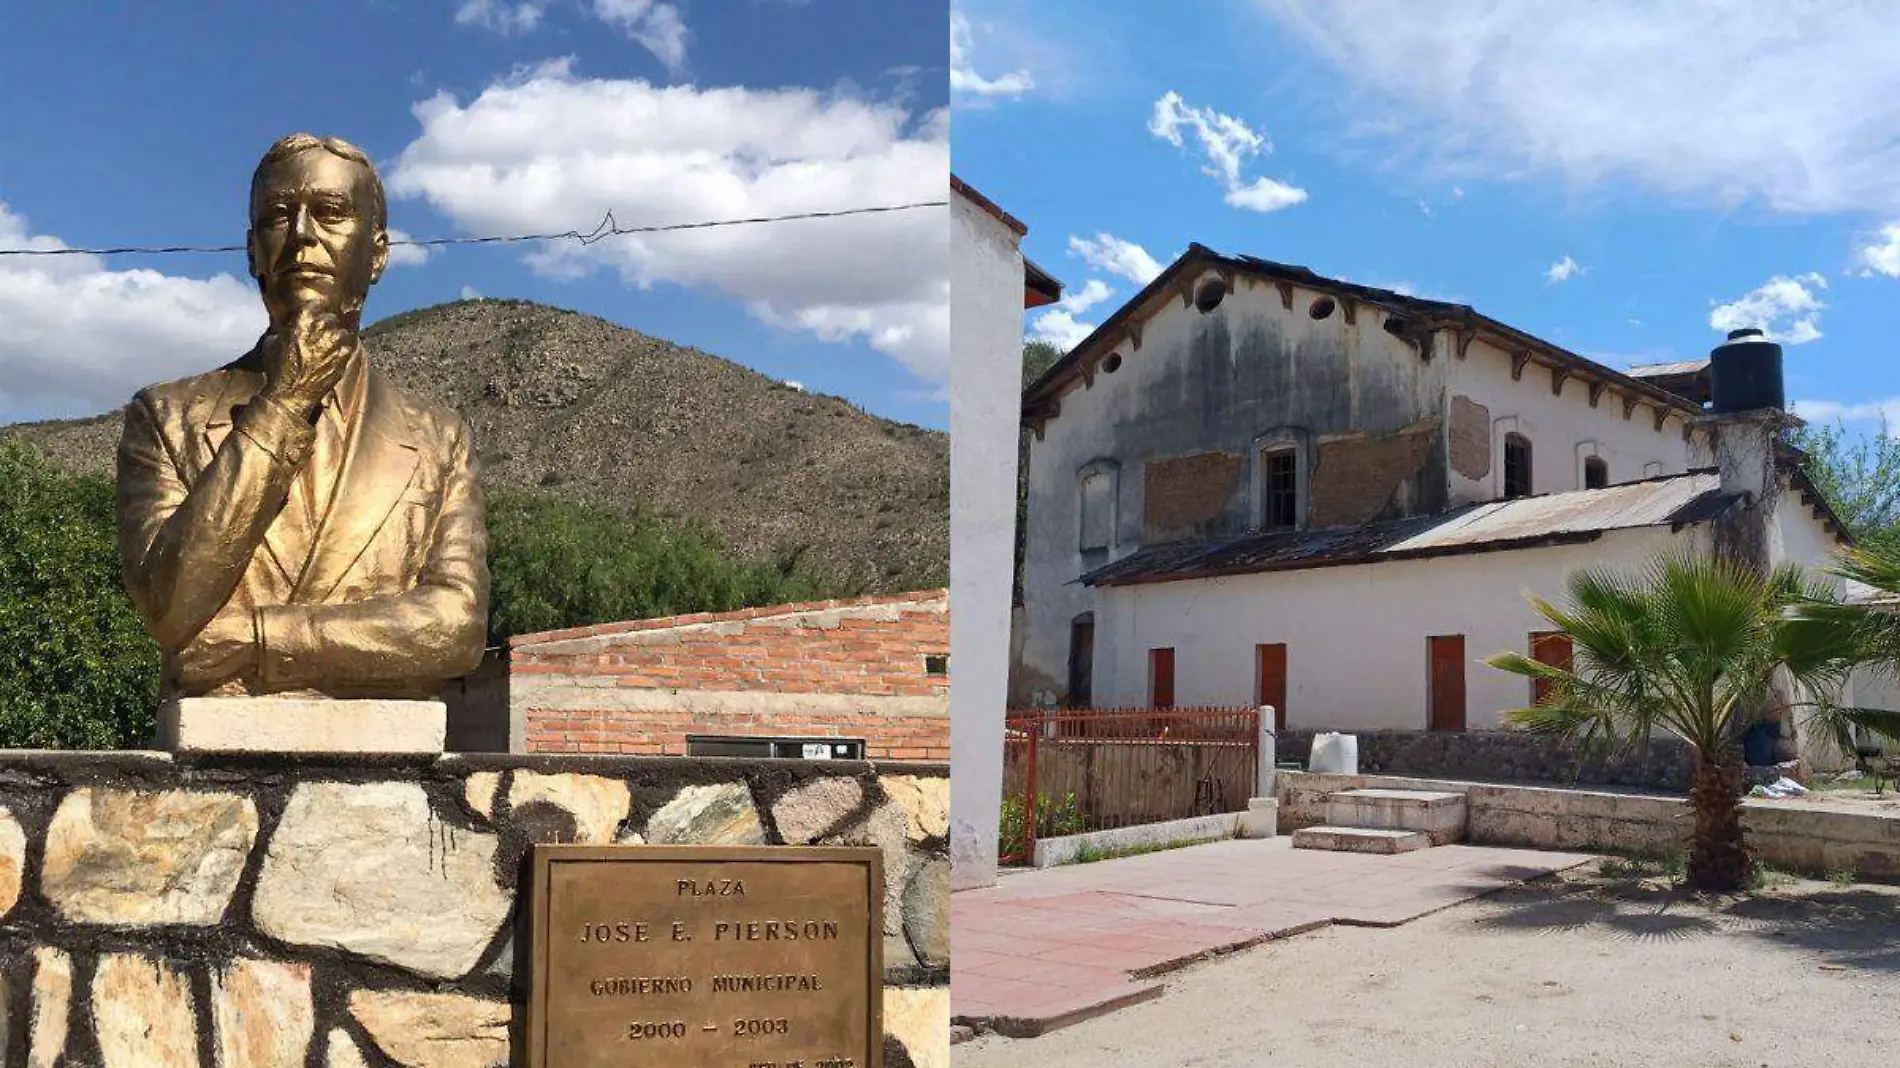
(1334,754)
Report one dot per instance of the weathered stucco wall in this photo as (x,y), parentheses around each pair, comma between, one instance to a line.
(1484,403)
(1355,636)
(294,912)
(1182,419)
(986,359)
(1796,835)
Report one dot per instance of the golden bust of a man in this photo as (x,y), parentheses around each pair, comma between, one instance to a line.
(291,523)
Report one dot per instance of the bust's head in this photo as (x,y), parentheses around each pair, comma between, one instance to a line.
(319,227)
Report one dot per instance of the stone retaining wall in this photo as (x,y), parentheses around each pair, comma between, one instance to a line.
(1503,756)
(1809,836)
(278,912)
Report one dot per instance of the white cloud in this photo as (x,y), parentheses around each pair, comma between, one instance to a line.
(1783,307)
(1563,270)
(546,151)
(1226,142)
(1059,328)
(793,384)
(1123,259)
(406,255)
(963,75)
(500,16)
(471,293)
(1821,411)
(82,337)
(1058,324)
(657,27)
(1883,255)
(1717,101)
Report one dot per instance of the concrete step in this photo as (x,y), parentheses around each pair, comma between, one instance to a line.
(1360,840)
(1441,815)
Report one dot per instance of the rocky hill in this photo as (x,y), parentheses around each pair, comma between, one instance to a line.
(571,405)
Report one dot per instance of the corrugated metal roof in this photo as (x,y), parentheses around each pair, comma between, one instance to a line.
(1659,370)
(1555,518)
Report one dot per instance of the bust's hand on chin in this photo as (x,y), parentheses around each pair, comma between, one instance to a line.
(305,357)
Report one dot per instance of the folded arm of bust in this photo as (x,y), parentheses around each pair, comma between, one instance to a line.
(184,549)
(431,633)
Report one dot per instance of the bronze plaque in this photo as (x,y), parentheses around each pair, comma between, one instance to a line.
(707,957)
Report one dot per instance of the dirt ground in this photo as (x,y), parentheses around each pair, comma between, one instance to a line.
(1583,969)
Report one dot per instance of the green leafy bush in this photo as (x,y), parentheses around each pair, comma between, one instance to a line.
(77,668)
(1053,820)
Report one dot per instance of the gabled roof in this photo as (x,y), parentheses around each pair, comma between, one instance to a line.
(1039,286)
(1675,501)
(1041,400)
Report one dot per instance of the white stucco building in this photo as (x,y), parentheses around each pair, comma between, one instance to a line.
(991,285)
(1257,485)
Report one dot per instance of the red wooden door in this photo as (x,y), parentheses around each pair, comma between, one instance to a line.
(1446,661)
(1270,681)
(1548,647)
(1161,678)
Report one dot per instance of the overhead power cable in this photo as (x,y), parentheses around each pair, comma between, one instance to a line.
(607,228)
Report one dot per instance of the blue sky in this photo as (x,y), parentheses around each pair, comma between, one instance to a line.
(1627,182)
(138,123)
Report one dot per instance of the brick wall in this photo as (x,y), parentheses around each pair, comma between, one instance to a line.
(830,669)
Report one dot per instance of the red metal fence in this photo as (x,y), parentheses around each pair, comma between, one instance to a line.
(1066,771)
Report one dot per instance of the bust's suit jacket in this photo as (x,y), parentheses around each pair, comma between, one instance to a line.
(384,594)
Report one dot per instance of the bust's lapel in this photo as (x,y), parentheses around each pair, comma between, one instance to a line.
(380,459)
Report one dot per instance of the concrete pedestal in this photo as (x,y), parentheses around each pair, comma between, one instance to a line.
(1262,818)
(301,725)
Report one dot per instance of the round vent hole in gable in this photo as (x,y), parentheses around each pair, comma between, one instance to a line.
(1209,295)
(1321,308)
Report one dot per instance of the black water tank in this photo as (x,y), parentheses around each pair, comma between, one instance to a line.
(1745,373)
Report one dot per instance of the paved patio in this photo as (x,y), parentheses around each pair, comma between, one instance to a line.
(1045,949)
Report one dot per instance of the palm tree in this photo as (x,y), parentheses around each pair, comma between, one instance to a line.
(1697,647)
(1863,634)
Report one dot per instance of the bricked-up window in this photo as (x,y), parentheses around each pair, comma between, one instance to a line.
(1517,466)
(1098,508)
(1280,488)
(1596,473)
(1161,678)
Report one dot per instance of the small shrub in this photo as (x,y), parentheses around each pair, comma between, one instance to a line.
(1053,820)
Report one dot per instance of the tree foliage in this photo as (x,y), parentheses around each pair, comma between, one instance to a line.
(1860,478)
(558,563)
(78,670)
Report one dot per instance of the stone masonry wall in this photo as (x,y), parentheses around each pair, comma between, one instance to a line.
(1809,834)
(874,668)
(285,913)
(1504,756)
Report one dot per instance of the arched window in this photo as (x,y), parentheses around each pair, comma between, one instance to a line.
(1096,503)
(1596,472)
(1517,466)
